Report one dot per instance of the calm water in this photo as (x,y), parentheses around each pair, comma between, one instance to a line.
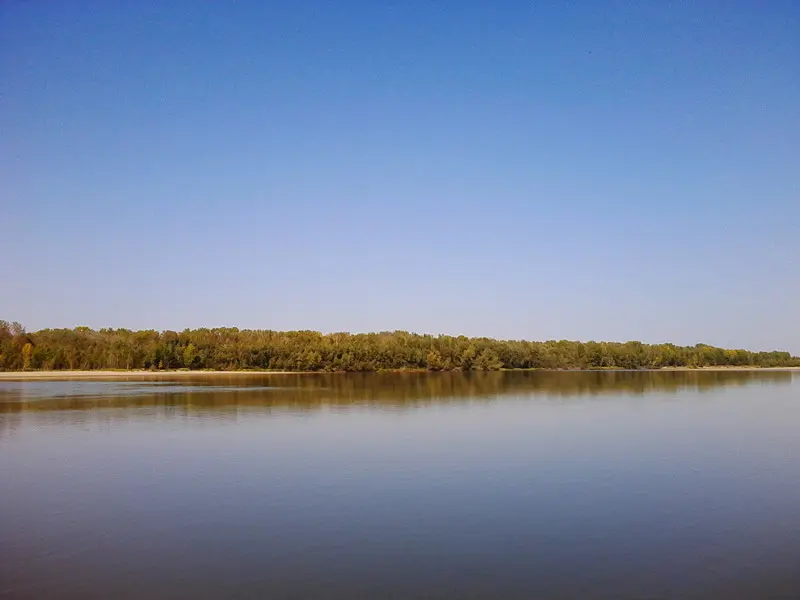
(499,485)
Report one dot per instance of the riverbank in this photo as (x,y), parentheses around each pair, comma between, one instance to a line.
(723,368)
(62,375)
(31,375)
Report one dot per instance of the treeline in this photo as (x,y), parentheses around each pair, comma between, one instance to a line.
(234,349)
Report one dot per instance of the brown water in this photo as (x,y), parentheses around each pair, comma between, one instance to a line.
(497,485)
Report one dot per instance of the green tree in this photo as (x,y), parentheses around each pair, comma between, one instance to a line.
(231,348)
(488,360)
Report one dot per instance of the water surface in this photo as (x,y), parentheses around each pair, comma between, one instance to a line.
(495,485)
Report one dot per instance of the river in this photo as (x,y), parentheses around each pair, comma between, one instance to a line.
(443,485)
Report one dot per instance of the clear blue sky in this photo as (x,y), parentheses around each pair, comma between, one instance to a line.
(589,170)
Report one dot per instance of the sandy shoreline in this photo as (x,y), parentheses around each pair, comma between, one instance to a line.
(31,375)
(34,375)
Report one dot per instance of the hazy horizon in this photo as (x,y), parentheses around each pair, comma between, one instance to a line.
(584,172)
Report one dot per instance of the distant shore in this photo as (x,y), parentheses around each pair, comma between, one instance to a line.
(105,374)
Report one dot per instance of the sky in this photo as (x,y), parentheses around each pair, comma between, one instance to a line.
(525,170)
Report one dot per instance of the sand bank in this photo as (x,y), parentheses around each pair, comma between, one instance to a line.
(32,375)
(65,375)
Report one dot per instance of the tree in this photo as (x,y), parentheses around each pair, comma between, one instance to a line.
(488,360)
(434,360)
(230,348)
(27,352)
(468,357)
(189,356)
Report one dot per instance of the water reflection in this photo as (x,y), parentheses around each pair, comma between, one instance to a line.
(392,390)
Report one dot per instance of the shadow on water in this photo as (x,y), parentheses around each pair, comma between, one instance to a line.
(305,392)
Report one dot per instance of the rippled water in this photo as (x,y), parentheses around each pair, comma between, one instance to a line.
(496,485)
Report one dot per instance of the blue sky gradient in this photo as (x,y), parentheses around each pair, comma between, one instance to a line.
(589,170)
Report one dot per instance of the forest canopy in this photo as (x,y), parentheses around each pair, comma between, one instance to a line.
(235,349)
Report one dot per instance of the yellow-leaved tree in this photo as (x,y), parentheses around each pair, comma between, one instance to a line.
(27,352)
